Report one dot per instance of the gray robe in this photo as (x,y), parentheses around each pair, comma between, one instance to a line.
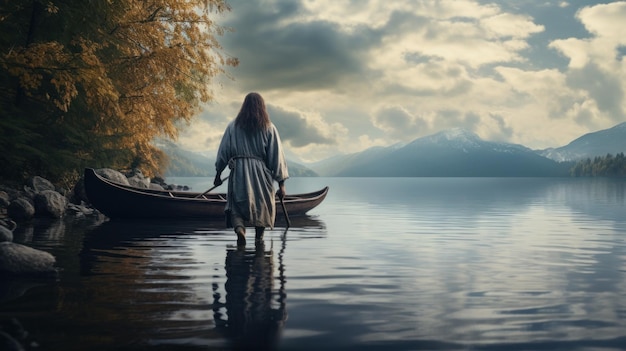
(256,161)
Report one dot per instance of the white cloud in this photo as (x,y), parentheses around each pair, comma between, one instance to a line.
(606,24)
(351,14)
(346,75)
(202,136)
(448,9)
(300,129)
(469,43)
(605,21)
(399,123)
(548,108)
(510,25)
(595,66)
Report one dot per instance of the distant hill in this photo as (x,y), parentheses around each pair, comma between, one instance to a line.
(340,164)
(300,170)
(185,163)
(452,153)
(608,141)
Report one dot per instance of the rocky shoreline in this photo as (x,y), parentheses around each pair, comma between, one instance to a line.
(23,209)
(39,198)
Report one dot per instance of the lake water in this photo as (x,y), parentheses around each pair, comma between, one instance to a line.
(381,264)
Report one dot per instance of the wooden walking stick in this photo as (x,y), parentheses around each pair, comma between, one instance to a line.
(282,203)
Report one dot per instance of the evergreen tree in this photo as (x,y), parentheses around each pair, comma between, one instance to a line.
(601,166)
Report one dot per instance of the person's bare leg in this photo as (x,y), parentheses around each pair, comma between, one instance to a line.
(241,235)
(240,230)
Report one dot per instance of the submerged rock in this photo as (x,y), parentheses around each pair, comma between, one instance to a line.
(80,210)
(17,259)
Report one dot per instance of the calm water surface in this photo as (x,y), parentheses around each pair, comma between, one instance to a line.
(382,264)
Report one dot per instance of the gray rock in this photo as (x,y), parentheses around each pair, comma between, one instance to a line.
(39,184)
(5,234)
(24,234)
(155,186)
(49,203)
(5,200)
(79,211)
(28,193)
(8,223)
(133,172)
(159,180)
(139,181)
(112,175)
(21,209)
(18,259)
(79,195)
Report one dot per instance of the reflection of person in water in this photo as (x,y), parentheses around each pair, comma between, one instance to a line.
(256,313)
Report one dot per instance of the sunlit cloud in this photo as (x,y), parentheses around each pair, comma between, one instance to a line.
(340,76)
(595,66)
(298,130)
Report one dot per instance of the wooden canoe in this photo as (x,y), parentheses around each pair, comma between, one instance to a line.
(124,201)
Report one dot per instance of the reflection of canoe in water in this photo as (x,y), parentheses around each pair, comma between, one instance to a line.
(110,233)
(123,201)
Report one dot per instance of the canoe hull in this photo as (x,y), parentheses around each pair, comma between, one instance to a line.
(122,201)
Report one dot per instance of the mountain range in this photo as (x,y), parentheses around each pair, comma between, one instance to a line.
(456,152)
(185,163)
(612,140)
(451,153)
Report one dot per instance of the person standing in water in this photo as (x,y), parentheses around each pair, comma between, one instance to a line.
(252,150)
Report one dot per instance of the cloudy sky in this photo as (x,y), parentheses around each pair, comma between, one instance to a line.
(342,76)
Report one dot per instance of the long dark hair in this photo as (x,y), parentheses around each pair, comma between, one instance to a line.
(253,116)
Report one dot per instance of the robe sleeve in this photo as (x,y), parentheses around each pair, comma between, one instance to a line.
(276,162)
(223,152)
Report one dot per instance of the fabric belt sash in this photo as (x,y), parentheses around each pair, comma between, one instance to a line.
(231,162)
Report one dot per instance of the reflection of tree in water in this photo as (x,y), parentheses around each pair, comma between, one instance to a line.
(255,312)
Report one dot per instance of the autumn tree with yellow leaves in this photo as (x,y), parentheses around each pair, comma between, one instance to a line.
(93,83)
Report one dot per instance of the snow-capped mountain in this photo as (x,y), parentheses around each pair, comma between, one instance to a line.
(466,141)
(454,152)
(600,143)
(455,136)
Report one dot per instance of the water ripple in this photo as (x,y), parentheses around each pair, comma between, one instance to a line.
(450,264)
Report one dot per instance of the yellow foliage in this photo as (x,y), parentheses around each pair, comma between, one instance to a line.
(130,75)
